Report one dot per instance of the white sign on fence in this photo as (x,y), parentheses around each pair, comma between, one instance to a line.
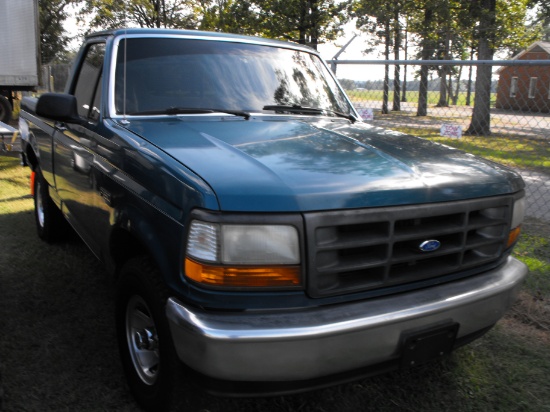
(451,130)
(366,114)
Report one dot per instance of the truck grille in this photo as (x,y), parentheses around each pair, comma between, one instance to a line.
(367,249)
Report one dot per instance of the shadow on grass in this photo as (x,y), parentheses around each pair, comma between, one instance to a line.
(58,348)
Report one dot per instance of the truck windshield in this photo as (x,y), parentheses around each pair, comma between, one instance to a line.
(164,73)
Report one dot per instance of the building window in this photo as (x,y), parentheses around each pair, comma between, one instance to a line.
(532,87)
(514,87)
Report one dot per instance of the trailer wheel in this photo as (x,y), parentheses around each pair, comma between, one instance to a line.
(5,109)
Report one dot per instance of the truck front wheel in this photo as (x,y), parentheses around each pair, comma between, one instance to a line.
(145,343)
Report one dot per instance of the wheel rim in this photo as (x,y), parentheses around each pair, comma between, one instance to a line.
(39,205)
(142,339)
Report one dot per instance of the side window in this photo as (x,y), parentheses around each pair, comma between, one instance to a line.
(514,87)
(88,86)
(532,87)
(94,112)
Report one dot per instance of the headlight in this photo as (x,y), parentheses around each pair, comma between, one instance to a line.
(519,212)
(236,255)
(517,218)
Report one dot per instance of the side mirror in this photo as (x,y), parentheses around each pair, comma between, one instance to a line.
(58,106)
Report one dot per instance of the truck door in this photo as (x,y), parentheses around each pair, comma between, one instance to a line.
(75,148)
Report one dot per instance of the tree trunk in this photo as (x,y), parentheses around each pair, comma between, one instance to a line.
(469,90)
(423,92)
(426,52)
(457,90)
(386,68)
(481,116)
(442,87)
(302,29)
(396,73)
(314,27)
(404,90)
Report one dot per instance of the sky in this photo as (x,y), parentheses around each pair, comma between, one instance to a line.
(353,52)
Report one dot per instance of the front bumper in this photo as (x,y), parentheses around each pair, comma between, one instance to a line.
(307,344)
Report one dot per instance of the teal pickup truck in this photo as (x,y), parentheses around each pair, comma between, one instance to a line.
(263,238)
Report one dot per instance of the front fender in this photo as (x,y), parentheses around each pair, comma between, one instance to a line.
(140,228)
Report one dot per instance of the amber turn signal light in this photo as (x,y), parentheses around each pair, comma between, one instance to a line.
(513,236)
(243,277)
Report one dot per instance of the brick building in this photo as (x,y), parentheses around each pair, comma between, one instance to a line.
(526,88)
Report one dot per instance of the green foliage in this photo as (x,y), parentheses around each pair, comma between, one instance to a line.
(53,39)
(541,20)
(229,16)
(513,33)
(303,21)
(109,14)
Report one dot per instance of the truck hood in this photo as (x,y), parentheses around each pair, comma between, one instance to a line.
(305,165)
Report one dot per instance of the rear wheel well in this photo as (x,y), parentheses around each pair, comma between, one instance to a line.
(31,157)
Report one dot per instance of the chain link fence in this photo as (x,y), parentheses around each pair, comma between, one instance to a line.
(517,111)
(518,123)
(519,120)
(519,106)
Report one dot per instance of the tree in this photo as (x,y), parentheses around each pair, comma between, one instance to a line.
(303,21)
(383,18)
(230,16)
(485,10)
(541,22)
(500,25)
(449,29)
(427,47)
(437,24)
(53,38)
(109,14)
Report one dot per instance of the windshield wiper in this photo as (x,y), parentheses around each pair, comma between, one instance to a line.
(295,108)
(190,110)
(350,117)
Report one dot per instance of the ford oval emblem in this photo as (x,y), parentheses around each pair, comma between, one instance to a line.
(429,245)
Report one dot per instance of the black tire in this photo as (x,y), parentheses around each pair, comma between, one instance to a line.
(50,223)
(5,109)
(145,343)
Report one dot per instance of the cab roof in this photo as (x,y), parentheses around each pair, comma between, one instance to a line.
(198,33)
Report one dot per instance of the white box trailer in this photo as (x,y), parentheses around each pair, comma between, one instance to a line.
(19,56)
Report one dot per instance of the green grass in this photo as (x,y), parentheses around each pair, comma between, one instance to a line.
(412,96)
(512,151)
(534,250)
(58,349)
(13,186)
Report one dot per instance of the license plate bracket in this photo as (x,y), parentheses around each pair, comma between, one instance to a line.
(423,346)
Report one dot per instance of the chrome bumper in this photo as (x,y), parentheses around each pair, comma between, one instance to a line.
(306,344)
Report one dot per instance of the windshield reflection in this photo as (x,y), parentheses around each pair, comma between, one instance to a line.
(168,72)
